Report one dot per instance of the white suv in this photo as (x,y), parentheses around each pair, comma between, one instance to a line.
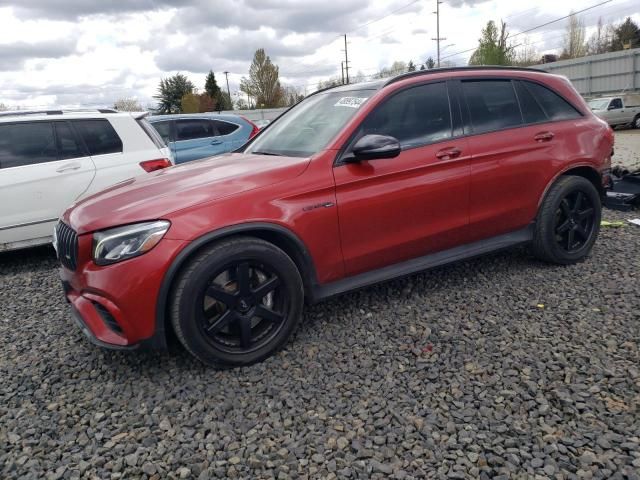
(49,159)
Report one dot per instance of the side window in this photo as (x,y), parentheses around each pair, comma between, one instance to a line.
(225,128)
(68,146)
(99,136)
(492,104)
(415,116)
(531,109)
(192,129)
(556,107)
(164,129)
(27,144)
(615,104)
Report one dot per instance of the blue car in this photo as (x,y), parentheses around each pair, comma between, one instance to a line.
(200,135)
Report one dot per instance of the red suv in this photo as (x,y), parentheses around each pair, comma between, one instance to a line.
(354,185)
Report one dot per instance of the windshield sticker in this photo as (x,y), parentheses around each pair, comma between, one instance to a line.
(353,102)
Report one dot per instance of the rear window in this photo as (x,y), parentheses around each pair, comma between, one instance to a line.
(163,129)
(151,132)
(27,144)
(99,136)
(556,107)
(225,128)
(492,104)
(531,109)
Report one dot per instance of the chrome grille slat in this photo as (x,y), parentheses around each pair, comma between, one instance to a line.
(67,246)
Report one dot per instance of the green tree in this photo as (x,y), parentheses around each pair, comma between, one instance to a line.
(493,47)
(626,35)
(430,63)
(411,67)
(170,93)
(211,85)
(190,103)
(263,83)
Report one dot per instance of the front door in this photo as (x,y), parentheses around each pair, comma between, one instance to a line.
(197,138)
(400,208)
(43,170)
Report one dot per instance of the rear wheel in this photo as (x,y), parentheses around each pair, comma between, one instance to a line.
(568,221)
(237,302)
(636,121)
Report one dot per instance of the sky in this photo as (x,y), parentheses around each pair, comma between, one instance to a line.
(72,53)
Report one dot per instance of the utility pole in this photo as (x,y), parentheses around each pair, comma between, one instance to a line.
(226,74)
(438,39)
(346,58)
(342,68)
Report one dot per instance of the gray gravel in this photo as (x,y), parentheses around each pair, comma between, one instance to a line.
(501,367)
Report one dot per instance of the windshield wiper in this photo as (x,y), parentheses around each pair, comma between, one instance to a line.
(267,153)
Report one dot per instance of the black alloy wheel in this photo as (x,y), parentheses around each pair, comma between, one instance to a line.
(236,302)
(243,307)
(575,221)
(568,221)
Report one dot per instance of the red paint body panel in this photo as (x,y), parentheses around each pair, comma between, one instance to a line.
(351,218)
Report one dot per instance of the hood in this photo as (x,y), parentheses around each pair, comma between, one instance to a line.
(155,195)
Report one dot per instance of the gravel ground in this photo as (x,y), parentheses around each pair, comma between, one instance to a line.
(500,367)
(627,149)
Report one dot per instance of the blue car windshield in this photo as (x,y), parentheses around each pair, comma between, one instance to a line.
(309,126)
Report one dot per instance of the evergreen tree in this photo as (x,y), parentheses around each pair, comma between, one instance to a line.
(411,67)
(626,35)
(430,63)
(170,93)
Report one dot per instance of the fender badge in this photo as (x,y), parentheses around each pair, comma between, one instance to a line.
(318,205)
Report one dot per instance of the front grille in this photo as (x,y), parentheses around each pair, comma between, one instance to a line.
(67,243)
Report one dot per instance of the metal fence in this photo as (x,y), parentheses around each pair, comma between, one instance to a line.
(601,74)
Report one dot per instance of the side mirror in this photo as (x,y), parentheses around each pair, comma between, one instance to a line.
(371,147)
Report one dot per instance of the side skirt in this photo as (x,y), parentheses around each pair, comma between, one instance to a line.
(463,252)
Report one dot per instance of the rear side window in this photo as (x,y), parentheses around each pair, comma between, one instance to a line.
(151,133)
(99,136)
(492,104)
(192,129)
(68,144)
(27,144)
(531,109)
(225,128)
(416,116)
(556,107)
(163,129)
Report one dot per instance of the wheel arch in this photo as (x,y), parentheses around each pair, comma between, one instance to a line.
(278,235)
(583,170)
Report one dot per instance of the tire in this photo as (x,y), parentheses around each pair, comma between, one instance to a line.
(636,122)
(236,302)
(567,228)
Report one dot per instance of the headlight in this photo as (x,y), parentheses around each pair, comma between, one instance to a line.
(121,243)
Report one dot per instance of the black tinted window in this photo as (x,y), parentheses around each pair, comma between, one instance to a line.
(99,136)
(415,116)
(492,104)
(164,129)
(225,128)
(556,107)
(616,103)
(531,109)
(26,144)
(153,135)
(191,129)
(68,145)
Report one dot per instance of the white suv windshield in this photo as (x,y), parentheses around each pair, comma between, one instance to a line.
(308,127)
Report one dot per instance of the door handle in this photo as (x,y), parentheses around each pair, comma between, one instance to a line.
(448,153)
(543,137)
(68,167)
(216,142)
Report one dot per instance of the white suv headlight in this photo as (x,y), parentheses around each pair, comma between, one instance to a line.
(121,243)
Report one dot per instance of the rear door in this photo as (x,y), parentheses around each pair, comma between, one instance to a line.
(518,135)
(395,209)
(44,167)
(196,138)
(231,134)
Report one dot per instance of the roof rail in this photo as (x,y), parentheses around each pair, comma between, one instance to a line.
(17,113)
(431,71)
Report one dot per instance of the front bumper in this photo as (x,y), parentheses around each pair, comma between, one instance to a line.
(115,305)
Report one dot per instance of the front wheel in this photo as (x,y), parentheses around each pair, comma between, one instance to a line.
(568,221)
(237,302)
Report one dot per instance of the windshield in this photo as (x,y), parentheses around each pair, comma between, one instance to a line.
(309,127)
(599,104)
